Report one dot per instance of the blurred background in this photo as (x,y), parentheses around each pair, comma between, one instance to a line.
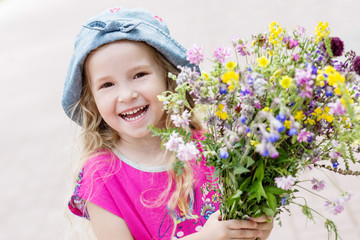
(37,140)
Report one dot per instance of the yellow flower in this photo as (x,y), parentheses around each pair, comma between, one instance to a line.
(271,53)
(253,143)
(228,76)
(266,109)
(285,82)
(221,106)
(263,62)
(310,121)
(299,115)
(222,115)
(230,65)
(287,124)
(327,109)
(322,31)
(205,75)
(329,118)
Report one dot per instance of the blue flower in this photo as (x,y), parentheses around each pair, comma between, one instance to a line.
(273,138)
(293,131)
(248,130)
(242,119)
(281,117)
(314,70)
(329,93)
(335,164)
(250,80)
(280,128)
(265,153)
(224,153)
(223,90)
(284,201)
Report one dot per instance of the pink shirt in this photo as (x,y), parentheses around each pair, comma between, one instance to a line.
(117,186)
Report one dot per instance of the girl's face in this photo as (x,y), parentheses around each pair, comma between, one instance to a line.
(125,81)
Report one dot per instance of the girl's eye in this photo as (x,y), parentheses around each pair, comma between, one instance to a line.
(106,85)
(139,75)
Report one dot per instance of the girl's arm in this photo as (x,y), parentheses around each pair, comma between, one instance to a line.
(106,225)
(216,229)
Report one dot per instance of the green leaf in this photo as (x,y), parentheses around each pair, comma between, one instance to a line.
(268,211)
(257,191)
(259,173)
(271,199)
(240,170)
(274,190)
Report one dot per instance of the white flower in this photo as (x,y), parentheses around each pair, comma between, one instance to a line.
(182,120)
(285,183)
(174,142)
(187,151)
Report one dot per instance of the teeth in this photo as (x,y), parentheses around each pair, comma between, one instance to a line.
(134,111)
(135,118)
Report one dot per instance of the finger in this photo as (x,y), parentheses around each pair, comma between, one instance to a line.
(245,234)
(236,224)
(262,218)
(264,226)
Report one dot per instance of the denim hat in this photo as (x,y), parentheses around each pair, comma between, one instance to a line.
(109,26)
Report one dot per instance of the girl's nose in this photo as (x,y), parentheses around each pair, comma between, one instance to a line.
(127,94)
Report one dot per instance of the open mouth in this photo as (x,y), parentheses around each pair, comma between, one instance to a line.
(135,114)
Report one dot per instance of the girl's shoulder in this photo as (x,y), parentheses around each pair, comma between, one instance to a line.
(102,161)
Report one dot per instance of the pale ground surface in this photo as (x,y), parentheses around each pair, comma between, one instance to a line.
(36,39)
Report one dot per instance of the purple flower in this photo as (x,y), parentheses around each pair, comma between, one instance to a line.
(240,46)
(195,54)
(305,136)
(337,108)
(337,46)
(285,183)
(318,185)
(356,64)
(299,31)
(221,54)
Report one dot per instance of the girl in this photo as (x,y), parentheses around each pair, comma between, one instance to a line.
(127,187)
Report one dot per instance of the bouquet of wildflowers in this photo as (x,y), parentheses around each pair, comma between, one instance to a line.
(274,106)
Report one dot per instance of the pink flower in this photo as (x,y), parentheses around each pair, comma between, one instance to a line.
(182,120)
(335,207)
(195,54)
(295,57)
(285,183)
(305,136)
(221,54)
(318,185)
(174,142)
(337,108)
(187,151)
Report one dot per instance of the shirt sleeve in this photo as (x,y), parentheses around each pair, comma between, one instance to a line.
(94,184)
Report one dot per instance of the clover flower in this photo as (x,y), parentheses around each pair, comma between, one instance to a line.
(299,31)
(187,152)
(356,65)
(285,183)
(195,54)
(221,54)
(240,46)
(181,121)
(174,142)
(337,46)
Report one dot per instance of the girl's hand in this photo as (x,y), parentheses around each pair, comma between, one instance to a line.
(264,225)
(217,229)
